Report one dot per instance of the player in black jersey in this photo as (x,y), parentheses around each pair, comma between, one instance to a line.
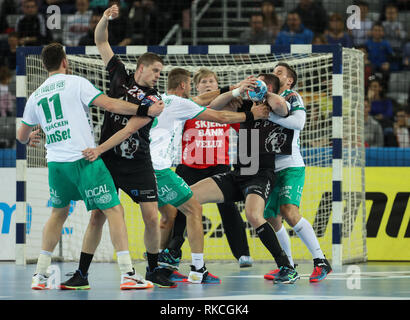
(130,162)
(253,176)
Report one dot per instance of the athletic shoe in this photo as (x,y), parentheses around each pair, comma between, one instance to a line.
(169,260)
(159,277)
(245,262)
(133,280)
(39,282)
(202,276)
(273,273)
(286,275)
(321,268)
(178,277)
(76,282)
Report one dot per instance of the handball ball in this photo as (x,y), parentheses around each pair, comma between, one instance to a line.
(259,92)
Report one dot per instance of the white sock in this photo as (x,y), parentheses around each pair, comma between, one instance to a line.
(124,261)
(284,241)
(306,233)
(43,262)
(197,260)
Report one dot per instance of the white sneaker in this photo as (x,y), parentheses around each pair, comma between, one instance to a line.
(245,261)
(39,282)
(202,276)
(133,280)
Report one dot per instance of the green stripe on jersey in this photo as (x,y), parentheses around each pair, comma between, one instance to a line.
(27,124)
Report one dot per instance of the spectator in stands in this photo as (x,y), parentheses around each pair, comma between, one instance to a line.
(88,38)
(336,32)
(76,25)
(8,52)
(7,7)
(406,56)
(256,34)
(373,131)
(272,22)
(380,51)
(360,36)
(7,99)
(144,15)
(402,129)
(31,26)
(66,6)
(313,15)
(381,107)
(402,6)
(395,33)
(368,67)
(382,111)
(120,30)
(319,38)
(294,32)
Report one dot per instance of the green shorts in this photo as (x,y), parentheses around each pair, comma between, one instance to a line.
(82,180)
(172,189)
(288,189)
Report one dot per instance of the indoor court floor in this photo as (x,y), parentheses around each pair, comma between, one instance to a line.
(368,281)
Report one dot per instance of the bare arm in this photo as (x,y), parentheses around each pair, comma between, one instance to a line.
(277,104)
(259,112)
(222,100)
(123,107)
(101,34)
(26,135)
(133,124)
(206,98)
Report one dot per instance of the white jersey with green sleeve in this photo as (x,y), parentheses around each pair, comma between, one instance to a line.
(166,132)
(295,121)
(61,107)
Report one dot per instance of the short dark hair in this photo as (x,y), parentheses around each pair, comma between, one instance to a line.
(149,58)
(291,72)
(52,55)
(272,80)
(176,76)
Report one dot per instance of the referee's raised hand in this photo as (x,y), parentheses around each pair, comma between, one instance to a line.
(112,12)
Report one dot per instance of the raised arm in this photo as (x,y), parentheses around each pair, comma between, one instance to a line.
(127,108)
(224,117)
(101,34)
(222,100)
(133,124)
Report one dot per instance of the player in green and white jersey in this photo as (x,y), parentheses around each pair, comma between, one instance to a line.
(284,200)
(61,107)
(165,134)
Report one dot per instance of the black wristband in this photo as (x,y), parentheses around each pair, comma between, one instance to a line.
(142,110)
(224,89)
(249,116)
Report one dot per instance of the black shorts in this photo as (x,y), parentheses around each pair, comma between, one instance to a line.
(140,182)
(236,187)
(193,175)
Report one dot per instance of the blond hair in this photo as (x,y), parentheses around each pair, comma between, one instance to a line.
(203,73)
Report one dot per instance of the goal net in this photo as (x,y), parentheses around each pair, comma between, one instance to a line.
(316,84)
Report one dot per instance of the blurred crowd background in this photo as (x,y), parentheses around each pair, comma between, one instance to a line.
(384,37)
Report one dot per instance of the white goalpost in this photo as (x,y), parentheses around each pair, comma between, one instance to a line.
(331,83)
